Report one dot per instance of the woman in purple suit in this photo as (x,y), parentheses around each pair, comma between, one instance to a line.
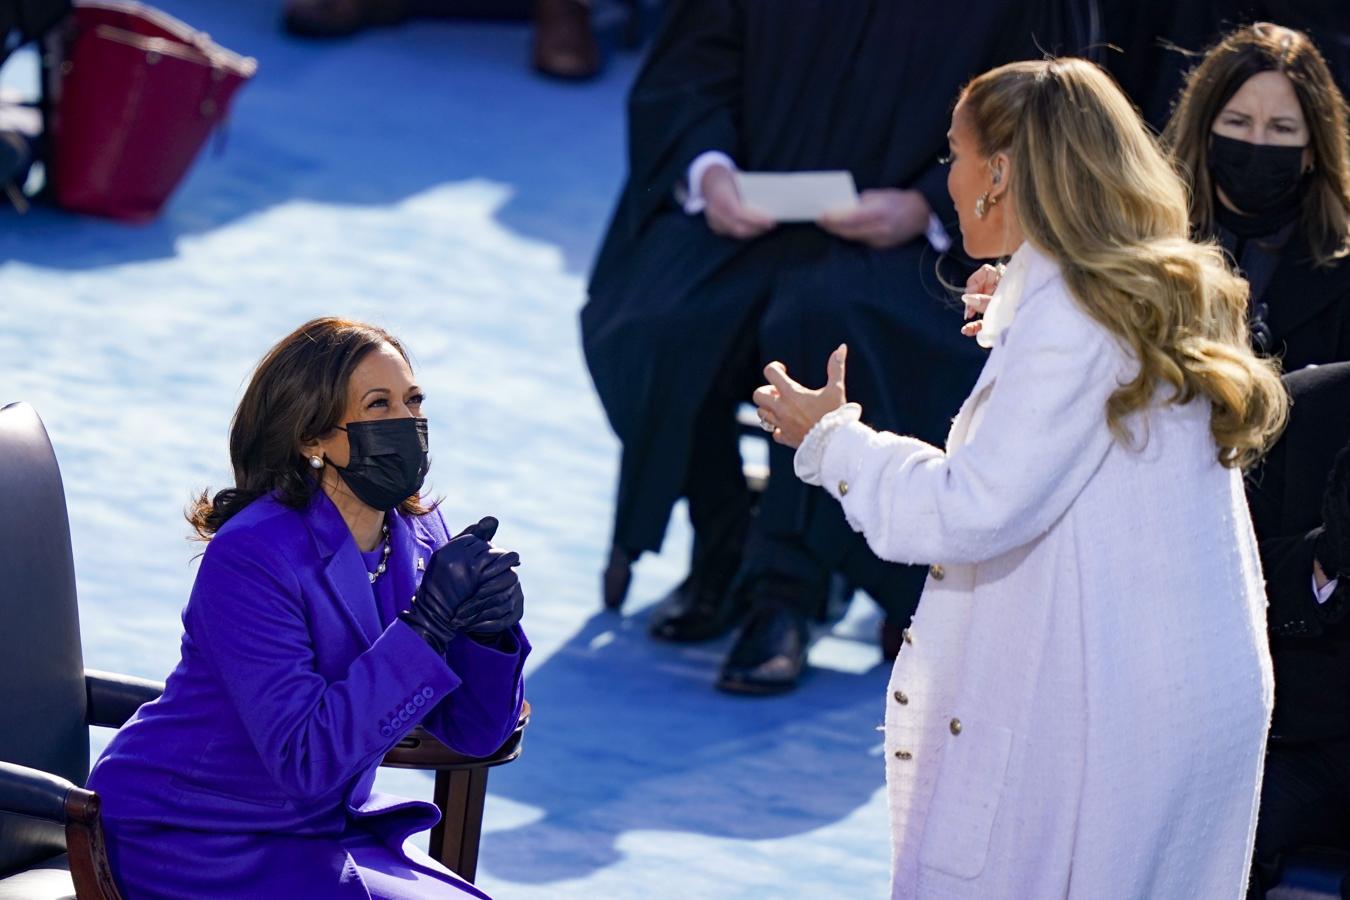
(331,614)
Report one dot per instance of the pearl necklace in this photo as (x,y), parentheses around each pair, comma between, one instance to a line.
(384,557)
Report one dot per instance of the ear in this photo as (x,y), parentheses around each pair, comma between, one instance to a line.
(1000,173)
(311,448)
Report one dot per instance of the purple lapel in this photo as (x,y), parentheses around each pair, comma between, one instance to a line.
(343,567)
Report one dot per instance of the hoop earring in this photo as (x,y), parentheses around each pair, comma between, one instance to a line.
(316,462)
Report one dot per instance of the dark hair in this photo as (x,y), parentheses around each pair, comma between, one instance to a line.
(298,393)
(1226,67)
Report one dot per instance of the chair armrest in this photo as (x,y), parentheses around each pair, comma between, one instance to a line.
(420,750)
(113,698)
(37,794)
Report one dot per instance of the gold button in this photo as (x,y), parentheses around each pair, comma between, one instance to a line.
(905,634)
(937,572)
(843,488)
(904,755)
(956,726)
(901,698)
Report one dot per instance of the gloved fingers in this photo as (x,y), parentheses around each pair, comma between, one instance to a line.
(465,548)
(500,617)
(485,529)
(496,585)
(431,607)
(482,606)
(493,626)
(499,561)
(506,604)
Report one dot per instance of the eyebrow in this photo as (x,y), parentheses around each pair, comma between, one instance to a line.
(374,391)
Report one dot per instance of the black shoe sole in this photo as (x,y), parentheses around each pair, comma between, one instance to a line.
(756,688)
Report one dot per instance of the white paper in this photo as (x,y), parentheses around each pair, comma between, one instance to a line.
(797,196)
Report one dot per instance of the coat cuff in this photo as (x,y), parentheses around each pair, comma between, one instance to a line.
(841,464)
(810,455)
(438,681)
(693,200)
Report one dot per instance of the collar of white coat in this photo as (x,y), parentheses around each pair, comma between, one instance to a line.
(1027,270)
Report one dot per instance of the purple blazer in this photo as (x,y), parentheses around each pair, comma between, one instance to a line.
(253,771)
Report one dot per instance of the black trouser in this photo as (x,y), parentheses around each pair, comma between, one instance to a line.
(774,543)
(1305,801)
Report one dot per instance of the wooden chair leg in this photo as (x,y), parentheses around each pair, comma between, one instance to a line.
(454,840)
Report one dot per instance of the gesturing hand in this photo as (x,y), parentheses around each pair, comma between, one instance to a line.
(979,291)
(883,218)
(793,410)
(724,211)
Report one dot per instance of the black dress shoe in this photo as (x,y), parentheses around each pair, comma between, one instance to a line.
(564,42)
(616,578)
(701,608)
(770,653)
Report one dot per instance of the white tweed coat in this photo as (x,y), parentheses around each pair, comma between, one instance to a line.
(1080,709)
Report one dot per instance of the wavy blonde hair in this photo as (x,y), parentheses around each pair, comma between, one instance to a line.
(1091,187)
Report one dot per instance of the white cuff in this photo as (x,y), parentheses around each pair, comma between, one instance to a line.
(937,236)
(693,201)
(1323,593)
(811,453)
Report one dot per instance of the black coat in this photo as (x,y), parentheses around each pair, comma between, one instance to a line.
(1309,309)
(1310,643)
(785,85)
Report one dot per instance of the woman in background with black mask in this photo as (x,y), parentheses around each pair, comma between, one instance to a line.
(1261,131)
(332,613)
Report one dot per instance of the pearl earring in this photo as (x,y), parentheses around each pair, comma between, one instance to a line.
(316,462)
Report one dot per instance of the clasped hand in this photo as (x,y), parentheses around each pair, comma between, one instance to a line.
(469,587)
(792,410)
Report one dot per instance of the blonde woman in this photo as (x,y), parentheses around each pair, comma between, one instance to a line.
(1080,707)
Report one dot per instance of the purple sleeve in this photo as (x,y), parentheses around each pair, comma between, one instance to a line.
(247,615)
(481,714)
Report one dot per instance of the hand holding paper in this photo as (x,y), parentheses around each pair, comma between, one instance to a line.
(725,212)
(883,218)
(797,196)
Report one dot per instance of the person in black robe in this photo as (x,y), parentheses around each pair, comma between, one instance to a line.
(684,309)
(1271,174)
(1301,512)
(1148,45)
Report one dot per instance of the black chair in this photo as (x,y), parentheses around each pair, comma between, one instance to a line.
(51,840)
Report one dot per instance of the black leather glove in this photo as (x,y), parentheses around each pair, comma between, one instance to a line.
(485,529)
(499,602)
(453,576)
(1332,546)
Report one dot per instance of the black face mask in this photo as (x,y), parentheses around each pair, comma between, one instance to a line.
(1255,177)
(388,460)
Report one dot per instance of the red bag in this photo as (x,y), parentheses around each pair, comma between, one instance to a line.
(135,96)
